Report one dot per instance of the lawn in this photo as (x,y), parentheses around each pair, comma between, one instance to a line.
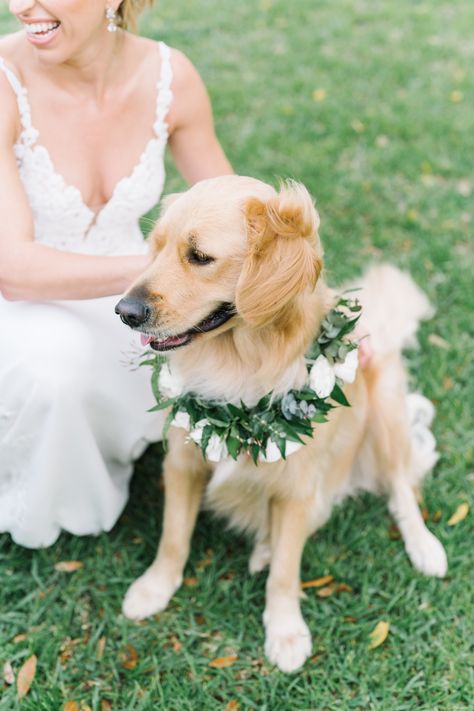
(370,104)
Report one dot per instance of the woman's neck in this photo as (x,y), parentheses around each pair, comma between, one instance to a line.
(89,72)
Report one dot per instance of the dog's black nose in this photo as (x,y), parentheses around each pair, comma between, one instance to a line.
(134,312)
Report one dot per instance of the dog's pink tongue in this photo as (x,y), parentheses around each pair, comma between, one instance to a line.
(144,340)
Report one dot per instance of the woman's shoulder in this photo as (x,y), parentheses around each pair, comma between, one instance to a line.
(10,60)
(183,70)
(10,49)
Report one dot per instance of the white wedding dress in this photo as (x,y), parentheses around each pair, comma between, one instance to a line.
(73,411)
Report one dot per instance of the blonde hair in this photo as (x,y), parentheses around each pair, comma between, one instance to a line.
(128,13)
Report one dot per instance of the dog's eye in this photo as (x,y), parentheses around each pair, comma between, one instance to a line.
(196,257)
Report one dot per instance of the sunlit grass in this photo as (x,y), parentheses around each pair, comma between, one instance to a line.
(371,105)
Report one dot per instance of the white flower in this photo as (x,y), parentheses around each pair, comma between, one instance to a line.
(182,419)
(321,377)
(196,432)
(292,447)
(273,454)
(170,385)
(216,448)
(348,368)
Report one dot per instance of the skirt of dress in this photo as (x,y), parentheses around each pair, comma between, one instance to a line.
(73,417)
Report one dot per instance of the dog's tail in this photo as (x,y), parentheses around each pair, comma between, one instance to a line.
(392,308)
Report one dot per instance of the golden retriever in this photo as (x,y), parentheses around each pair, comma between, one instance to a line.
(235,295)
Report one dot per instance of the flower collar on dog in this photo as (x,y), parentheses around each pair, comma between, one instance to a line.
(274,427)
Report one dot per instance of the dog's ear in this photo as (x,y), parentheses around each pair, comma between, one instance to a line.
(284,254)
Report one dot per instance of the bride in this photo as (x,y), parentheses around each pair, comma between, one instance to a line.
(87,111)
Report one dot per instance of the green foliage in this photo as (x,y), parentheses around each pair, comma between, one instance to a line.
(273,418)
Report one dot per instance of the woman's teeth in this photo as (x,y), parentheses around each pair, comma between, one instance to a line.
(41,28)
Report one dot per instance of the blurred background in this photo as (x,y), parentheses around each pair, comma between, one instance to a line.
(370,104)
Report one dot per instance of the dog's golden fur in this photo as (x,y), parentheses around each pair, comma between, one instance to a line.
(267,261)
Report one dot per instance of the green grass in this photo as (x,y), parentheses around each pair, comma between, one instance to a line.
(387,152)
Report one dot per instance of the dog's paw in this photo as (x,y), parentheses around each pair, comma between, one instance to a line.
(428,555)
(288,643)
(148,595)
(260,558)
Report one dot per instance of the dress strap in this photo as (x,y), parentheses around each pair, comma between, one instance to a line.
(29,134)
(164,92)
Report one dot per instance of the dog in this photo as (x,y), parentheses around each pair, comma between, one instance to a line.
(235,296)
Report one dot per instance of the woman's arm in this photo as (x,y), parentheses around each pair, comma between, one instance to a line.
(193,143)
(32,271)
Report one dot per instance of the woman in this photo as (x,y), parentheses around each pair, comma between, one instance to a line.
(87,111)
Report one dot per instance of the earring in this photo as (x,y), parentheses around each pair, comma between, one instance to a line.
(111,16)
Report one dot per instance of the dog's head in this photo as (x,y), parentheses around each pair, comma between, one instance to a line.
(230,250)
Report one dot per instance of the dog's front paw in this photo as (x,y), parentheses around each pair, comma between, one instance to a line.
(287,642)
(428,555)
(148,595)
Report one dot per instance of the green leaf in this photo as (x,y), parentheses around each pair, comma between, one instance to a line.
(319,417)
(233,445)
(338,395)
(206,436)
(234,411)
(254,452)
(162,405)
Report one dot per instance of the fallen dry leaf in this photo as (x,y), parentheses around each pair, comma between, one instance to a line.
(191,582)
(436,516)
(448,383)
(459,515)
(68,566)
(232,706)
(357,126)
(343,587)
(71,706)
(203,563)
(327,591)
(100,647)
(129,657)
(26,676)
(425,514)
(464,187)
(394,532)
(85,706)
(175,643)
(105,705)
(223,662)
(66,649)
(379,634)
(200,619)
(319,95)
(439,342)
(350,618)
(19,638)
(8,675)
(317,582)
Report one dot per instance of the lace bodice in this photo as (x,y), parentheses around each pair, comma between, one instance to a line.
(61,217)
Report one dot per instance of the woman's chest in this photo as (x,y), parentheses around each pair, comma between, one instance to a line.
(93,147)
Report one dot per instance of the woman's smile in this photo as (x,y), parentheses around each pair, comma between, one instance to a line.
(41,32)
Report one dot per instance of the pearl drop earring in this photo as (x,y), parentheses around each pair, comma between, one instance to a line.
(111,16)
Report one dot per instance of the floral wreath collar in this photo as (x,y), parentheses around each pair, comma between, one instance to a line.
(273,428)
